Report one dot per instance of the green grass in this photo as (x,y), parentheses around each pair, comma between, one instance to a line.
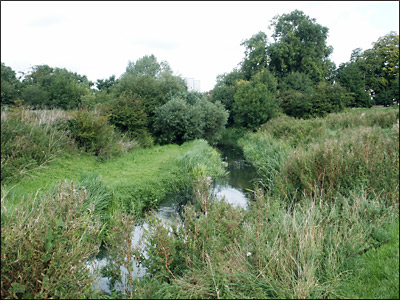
(376,272)
(141,174)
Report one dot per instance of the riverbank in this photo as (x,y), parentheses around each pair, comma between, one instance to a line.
(80,197)
(327,200)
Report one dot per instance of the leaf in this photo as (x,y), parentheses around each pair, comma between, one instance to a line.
(17,287)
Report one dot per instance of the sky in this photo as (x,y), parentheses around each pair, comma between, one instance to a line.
(199,39)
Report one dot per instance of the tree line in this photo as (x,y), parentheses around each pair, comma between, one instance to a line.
(291,73)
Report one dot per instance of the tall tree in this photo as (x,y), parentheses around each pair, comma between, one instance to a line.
(225,90)
(300,46)
(58,86)
(256,58)
(351,76)
(153,82)
(382,69)
(9,85)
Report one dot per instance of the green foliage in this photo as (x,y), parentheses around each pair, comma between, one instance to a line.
(93,134)
(328,99)
(36,96)
(255,101)
(127,114)
(296,104)
(153,82)
(225,89)
(256,58)
(296,81)
(58,87)
(171,121)
(9,85)
(351,76)
(213,121)
(106,85)
(318,102)
(300,46)
(45,251)
(382,68)
(178,121)
(374,72)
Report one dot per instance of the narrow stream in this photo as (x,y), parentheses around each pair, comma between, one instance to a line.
(233,189)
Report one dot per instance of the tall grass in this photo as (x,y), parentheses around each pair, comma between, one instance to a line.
(328,156)
(365,157)
(28,143)
(266,252)
(45,245)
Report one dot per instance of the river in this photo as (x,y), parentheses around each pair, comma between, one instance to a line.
(233,188)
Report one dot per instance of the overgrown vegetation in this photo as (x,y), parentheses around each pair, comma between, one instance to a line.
(45,245)
(322,215)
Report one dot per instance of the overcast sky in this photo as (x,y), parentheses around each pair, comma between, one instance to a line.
(199,40)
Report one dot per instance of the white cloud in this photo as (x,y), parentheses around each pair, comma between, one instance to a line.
(198,39)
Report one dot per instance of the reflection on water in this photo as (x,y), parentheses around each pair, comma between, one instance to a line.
(167,213)
(235,187)
(232,189)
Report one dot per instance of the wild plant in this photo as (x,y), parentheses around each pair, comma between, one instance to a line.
(45,245)
(25,145)
(360,157)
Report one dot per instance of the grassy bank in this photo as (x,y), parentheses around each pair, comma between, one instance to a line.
(323,222)
(96,195)
(342,155)
(324,216)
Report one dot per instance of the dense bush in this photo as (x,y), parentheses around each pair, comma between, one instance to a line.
(48,87)
(255,101)
(171,121)
(178,121)
(128,114)
(94,134)
(9,85)
(318,102)
(296,104)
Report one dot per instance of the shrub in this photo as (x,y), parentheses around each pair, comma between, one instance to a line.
(215,119)
(93,134)
(45,251)
(128,114)
(255,103)
(296,104)
(171,121)
(178,121)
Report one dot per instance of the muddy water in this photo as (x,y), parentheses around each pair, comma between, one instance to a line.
(233,189)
